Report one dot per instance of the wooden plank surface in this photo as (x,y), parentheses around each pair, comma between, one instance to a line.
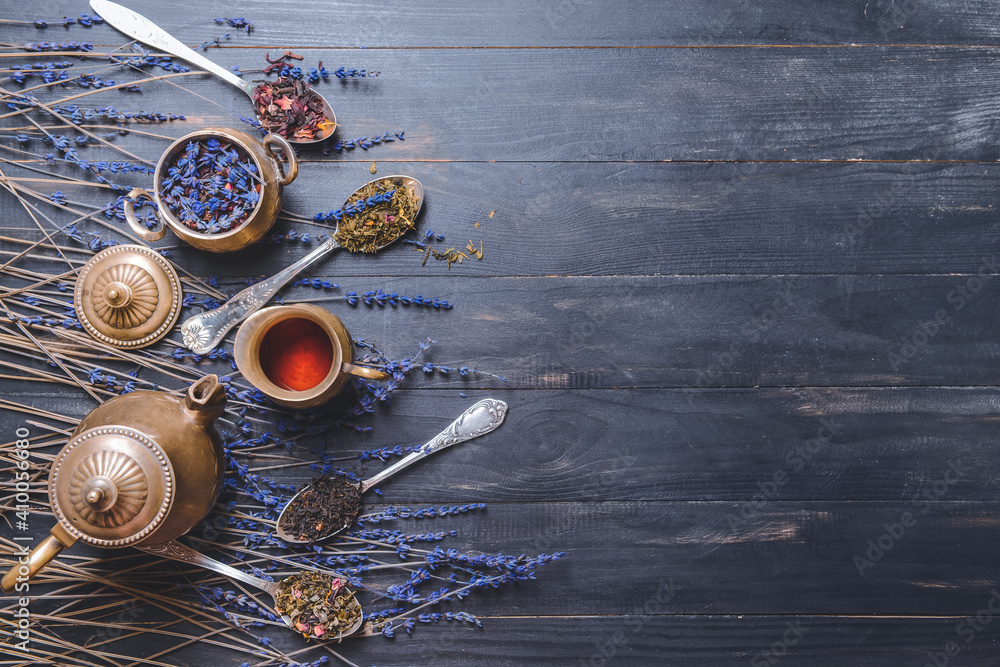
(711,105)
(570,23)
(743,298)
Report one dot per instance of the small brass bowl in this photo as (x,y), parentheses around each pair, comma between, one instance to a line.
(258,222)
(254,351)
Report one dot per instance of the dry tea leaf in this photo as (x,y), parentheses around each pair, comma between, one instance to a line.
(372,169)
(329,504)
(317,604)
(376,215)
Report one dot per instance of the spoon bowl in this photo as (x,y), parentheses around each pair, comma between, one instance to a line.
(185,554)
(204,331)
(481,418)
(140,28)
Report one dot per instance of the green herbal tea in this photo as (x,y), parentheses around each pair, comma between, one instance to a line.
(376,215)
(317,605)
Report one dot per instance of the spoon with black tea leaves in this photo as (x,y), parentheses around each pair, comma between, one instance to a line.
(483,417)
(142,29)
(344,606)
(204,331)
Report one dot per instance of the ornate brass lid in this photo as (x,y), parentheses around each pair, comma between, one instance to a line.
(111,486)
(128,296)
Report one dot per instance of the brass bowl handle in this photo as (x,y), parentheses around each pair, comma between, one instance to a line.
(39,557)
(367,373)
(286,148)
(133,221)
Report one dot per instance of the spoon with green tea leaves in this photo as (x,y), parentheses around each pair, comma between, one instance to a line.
(330,504)
(317,605)
(376,215)
(288,107)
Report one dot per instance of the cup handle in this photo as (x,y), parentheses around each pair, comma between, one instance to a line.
(365,372)
(133,221)
(39,557)
(286,148)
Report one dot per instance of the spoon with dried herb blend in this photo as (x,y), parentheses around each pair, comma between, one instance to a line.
(330,504)
(317,605)
(295,111)
(377,214)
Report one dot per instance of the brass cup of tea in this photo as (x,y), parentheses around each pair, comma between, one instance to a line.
(273,177)
(299,356)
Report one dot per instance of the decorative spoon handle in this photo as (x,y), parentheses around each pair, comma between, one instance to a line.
(203,332)
(177,551)
(139,27)
(478,420)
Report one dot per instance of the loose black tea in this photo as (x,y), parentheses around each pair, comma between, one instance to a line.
(329,504)
(376,215)
(211,187)
(317,604)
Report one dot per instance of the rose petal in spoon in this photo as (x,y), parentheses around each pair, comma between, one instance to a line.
(276,589)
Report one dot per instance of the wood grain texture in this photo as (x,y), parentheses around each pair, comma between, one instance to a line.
(776,557)
(641,641)
(686,332)
(594,218)
(741,341)
(709,641)
(694,105)
(570,23)
(673,445)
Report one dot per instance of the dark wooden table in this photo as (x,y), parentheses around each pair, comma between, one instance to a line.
(742,282)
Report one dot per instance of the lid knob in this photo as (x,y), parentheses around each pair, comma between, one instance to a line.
(99,493)
(117,294)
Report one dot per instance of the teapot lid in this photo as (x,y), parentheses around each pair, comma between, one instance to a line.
(111,486)
(127,296)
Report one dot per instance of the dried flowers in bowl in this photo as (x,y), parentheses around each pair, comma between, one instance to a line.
(317,605)
(219,189)
(212,186)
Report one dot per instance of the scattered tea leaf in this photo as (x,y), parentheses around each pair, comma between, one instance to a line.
(373,169)
(492,213)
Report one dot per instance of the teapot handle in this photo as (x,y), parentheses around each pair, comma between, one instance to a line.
(39,557)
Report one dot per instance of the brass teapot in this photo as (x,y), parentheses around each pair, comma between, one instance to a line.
(141,469)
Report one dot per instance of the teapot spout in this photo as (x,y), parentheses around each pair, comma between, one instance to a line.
(28,567)
(205,400)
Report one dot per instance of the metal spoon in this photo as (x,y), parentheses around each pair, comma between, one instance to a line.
(139,27)
(483,417)
(203,332)
(185,554)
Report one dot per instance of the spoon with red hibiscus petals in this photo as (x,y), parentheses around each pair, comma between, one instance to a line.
(142,29)
(345,496)
(334,615)
(202,332)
